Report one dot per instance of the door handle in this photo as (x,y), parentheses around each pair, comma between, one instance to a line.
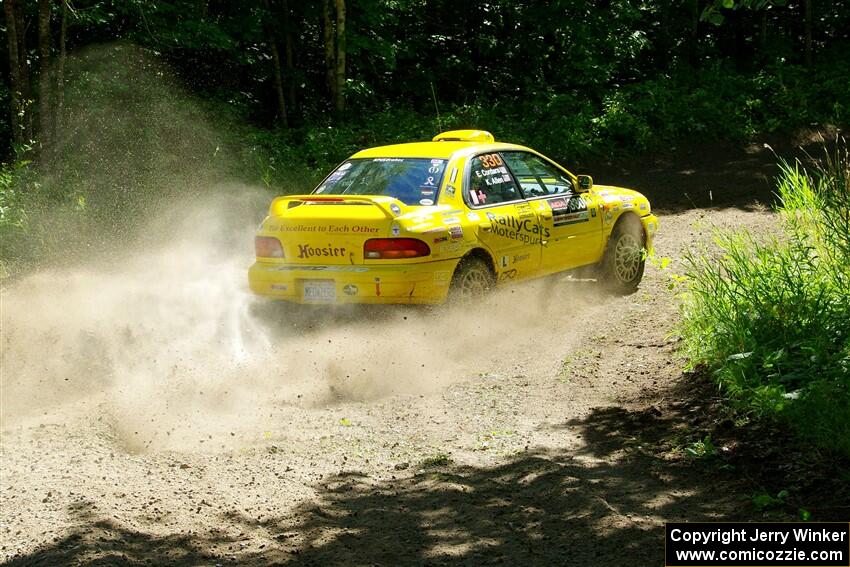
(547,216)
(485,226)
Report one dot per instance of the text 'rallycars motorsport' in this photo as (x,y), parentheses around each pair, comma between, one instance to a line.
(422,222)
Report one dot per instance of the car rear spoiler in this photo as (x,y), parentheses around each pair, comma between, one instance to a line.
(390,206)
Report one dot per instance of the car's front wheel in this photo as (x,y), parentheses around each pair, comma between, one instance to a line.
(472,280)
(625,257)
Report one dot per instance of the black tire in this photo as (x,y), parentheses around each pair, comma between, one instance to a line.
(621,269)
(472,279)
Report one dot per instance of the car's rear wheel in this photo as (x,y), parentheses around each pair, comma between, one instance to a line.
(472,280)
(625,258)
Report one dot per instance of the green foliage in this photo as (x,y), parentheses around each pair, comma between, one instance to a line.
(701,449)
(713,12)
(771,316)
(764,501)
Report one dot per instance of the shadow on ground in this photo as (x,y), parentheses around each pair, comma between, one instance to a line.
(604,504)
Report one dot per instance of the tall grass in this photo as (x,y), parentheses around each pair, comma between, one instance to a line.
(770,316)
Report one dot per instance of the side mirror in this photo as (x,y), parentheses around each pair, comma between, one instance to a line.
(585,183)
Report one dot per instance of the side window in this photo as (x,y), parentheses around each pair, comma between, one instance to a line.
(490,182)
(536,176)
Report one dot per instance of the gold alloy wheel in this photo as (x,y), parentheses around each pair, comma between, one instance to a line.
(627,257)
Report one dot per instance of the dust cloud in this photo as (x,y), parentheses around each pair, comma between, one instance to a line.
(168,346)
(146,324)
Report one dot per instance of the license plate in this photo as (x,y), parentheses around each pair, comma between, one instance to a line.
(320,290)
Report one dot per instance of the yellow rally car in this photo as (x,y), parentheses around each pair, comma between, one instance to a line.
(422,222)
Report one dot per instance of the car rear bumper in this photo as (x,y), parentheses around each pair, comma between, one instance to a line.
(424,283)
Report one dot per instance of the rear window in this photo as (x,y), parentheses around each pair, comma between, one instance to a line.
(414,181)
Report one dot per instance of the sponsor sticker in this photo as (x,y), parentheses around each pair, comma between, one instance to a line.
(505,261)
(524,210)
(473,217)
(395,229)
(307,251)
(296,268)
(350,289)
(306,228)
(568,210)
(557,204)
(456,232)
(571,218)
(527,231)
(507,275)
(426,202)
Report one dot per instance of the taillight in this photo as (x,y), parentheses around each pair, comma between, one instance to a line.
(390,248)
(267,247)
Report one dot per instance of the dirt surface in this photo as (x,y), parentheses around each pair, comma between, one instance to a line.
(154,413)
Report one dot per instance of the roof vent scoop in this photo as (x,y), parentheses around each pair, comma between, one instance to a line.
(479,136)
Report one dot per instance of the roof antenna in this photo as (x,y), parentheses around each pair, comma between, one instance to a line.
(436,107)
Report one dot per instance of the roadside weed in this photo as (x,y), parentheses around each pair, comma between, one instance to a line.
(770,316)
(701,449)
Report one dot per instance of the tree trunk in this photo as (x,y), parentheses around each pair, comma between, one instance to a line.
(340,56)
(44,72)
(807,20)
(328,39)
(23,66)
(59,120)
(763,32)
(278,83)
(15,95)
(693,49)
(290,58)
(271,36)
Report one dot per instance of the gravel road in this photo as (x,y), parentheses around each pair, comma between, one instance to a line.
(153,421)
